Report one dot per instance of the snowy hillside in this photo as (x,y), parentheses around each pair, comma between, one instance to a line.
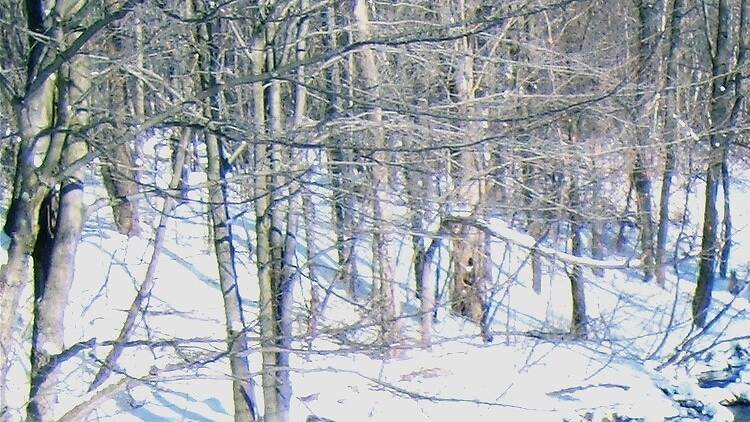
(532,370)
(367,210)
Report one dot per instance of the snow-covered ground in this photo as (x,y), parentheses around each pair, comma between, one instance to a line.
(530,372)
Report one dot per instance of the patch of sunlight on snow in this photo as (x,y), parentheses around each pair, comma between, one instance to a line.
(518,380)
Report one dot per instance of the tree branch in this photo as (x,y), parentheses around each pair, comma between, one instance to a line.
(527,242)
(78,44)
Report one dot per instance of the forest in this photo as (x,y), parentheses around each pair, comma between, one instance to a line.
(244,199)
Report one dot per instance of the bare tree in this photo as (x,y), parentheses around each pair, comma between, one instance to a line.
(383,282)
(648,17)
(674,11)
(209,63)
(723,110)
(468,246)
(52,122)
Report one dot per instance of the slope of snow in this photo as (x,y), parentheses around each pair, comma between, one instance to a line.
(532,371)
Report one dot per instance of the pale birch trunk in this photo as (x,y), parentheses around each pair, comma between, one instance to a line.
(284,222)
(39,157)
(269,239)
(51,297)
(384,286)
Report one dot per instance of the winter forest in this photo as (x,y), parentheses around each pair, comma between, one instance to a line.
(350,210)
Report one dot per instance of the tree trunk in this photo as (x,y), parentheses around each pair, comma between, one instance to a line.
(419,187)
(468,252)
(35,164)
(597,222)
(579,317)
(271,247)
(533,221)
(663,227)
(647,18)
(624,221)
(597,244)
(642,185)
(236,330)
(122,186)
(118,169)
(428,291)
(719,137)
(44,149)
(338,159)
(709,246)
(144,291)
(312,251)
(244,401)
(52,286)
(283,245)
(469,284)
(726,246)
(742,60)
(384,285)
(674,11)
(535,231)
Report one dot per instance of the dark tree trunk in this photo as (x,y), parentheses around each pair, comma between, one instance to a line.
(669,85)
(726,246)
(469,283)
(647,36)
(709,246)
(122,186)
(597,244)
(721,125)
(579,320)
(642,187)
(236,329)
(624,221)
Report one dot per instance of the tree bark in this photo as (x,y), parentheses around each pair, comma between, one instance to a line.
(271,241)
(647,17)
(743,58)
(284,226)
(122,186)
(597,243)
(34,168)
(579,318)
(48,127)
(118,169)
(468,253)
(719,137)
(343,188)
(236,330)
(419,186)
(726,244)
(674,11)
(384,285)
(52,286)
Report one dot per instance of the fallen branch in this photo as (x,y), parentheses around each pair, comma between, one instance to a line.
(80,411)
(527,242)
(565,391)
(687,343)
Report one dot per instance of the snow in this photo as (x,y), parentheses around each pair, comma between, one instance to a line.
(543,377)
